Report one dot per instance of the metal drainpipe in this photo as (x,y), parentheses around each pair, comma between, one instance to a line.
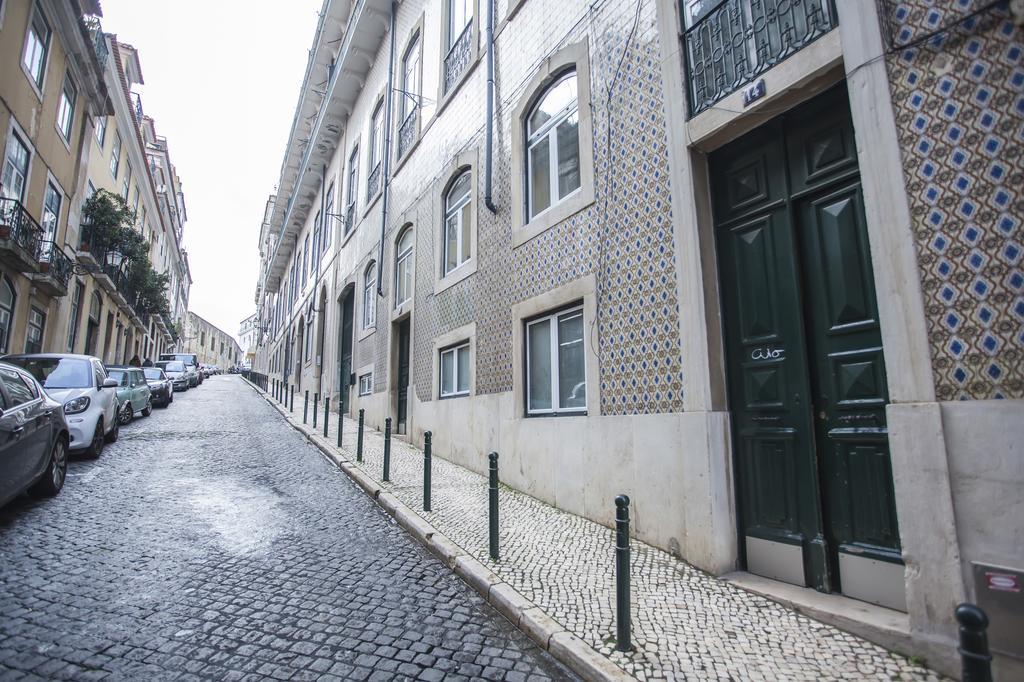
(386,161)
(489,140)
(319,262)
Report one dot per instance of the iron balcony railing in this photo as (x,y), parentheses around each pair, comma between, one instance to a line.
(457,59)
(731,43)
(407,132)
(88,241)
(99,41)
(54,262)
(373,182)
(350,216)
(19,227)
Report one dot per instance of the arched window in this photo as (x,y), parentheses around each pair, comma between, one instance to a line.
(553,146)
(403,268)
(7,301)
(457,223)
(369,297)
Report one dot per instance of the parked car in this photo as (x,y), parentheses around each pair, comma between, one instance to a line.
(133,394)
(160,386)
(176,372)
(33,437)
(81,383)
(191,361)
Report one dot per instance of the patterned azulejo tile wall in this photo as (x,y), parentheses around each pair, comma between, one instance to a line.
(959,104)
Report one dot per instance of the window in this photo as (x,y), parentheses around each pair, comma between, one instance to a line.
(135,203)
(66,108)
(115,155)
(16,388)
(76,312)
(555,366)
(315,258)
(328,226)
(309,339)
(101,131)
(36,326)
(305,259)
(37,43)
(377,135)
(366,384)
(457,223)
(553,146)
(403,268)
(454,374)
(12,183)
(353,182)
(369,296)
(202,338)
(127,180)
(7,301)
(409,101)
(460,14)
(51,212)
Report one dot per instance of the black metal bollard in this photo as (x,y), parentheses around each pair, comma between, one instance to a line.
(341,420)
(975,659)
(622,624)
(316,407)
(387,449)
(492,504)
(305,407)
(327,412)
(426,470)
(292,407)
(359,437)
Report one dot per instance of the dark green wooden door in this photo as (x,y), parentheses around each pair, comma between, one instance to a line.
(403,376)
(345,351)
(804,355)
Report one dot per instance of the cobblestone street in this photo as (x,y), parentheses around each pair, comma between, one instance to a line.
(212,541)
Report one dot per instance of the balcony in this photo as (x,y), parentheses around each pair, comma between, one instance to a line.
(407,132)
(89,252)
(54,270)
(730,43)
(457,60)
(20,235)
(373,182)
(99,41)
(350,217)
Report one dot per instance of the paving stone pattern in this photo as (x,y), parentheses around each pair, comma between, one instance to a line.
(687,624)
(213,542)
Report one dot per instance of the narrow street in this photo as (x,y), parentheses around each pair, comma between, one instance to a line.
(211,541)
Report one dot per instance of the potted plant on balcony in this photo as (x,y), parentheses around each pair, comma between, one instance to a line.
(8,217)
(109,223)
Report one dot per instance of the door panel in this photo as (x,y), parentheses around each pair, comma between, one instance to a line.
(403,377)
(345,362)
(806,372)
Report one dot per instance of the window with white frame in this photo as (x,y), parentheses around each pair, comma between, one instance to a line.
(51,212)
(115,155)
(353,183)
(12,183)
(373,178)
(66,107)
(36,327)
(410,99)
(366,384)
(7,300)
(555,364)
(369,296)
(305,260)
(37,43)
(553,146)
(457,223)
(460,14)
(315,256)
(403,268)
(101,130)
(76,313)
(454,371)
(328,226)
(127,180)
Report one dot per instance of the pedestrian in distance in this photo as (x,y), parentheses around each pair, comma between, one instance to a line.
(147,363)
(135,362)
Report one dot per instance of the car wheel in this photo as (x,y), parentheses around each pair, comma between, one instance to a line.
(96,446)
(115,432)
(56,471)
(170,397)
(126,413)
(148,409)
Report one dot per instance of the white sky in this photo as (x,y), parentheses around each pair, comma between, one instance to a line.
(222,78)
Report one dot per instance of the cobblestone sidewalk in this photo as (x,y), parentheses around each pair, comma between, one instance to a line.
(687,624)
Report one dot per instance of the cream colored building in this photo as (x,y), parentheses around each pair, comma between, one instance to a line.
(211,344)
(764,279)
(51,90)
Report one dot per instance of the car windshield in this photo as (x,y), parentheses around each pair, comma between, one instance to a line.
(171,366)
(153,373)
(56,373)
(120,376)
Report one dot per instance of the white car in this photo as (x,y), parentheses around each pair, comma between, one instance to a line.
(89,397)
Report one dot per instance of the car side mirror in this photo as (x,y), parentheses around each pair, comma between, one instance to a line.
(109,383)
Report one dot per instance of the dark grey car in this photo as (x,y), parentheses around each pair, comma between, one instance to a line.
(33,437)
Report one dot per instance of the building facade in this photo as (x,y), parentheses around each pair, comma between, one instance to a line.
(73,127)
(211,344)
(52,89)
(754,263)
(248,334)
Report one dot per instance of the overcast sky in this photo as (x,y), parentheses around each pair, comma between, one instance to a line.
(222,78)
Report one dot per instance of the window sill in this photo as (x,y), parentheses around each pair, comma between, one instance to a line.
(367,332)
(32,81)
(60,136)
(401,311)
(553,215)
(445,98)
(555,415)
(372,201)
(453,396)
(401,160)
(455,276)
